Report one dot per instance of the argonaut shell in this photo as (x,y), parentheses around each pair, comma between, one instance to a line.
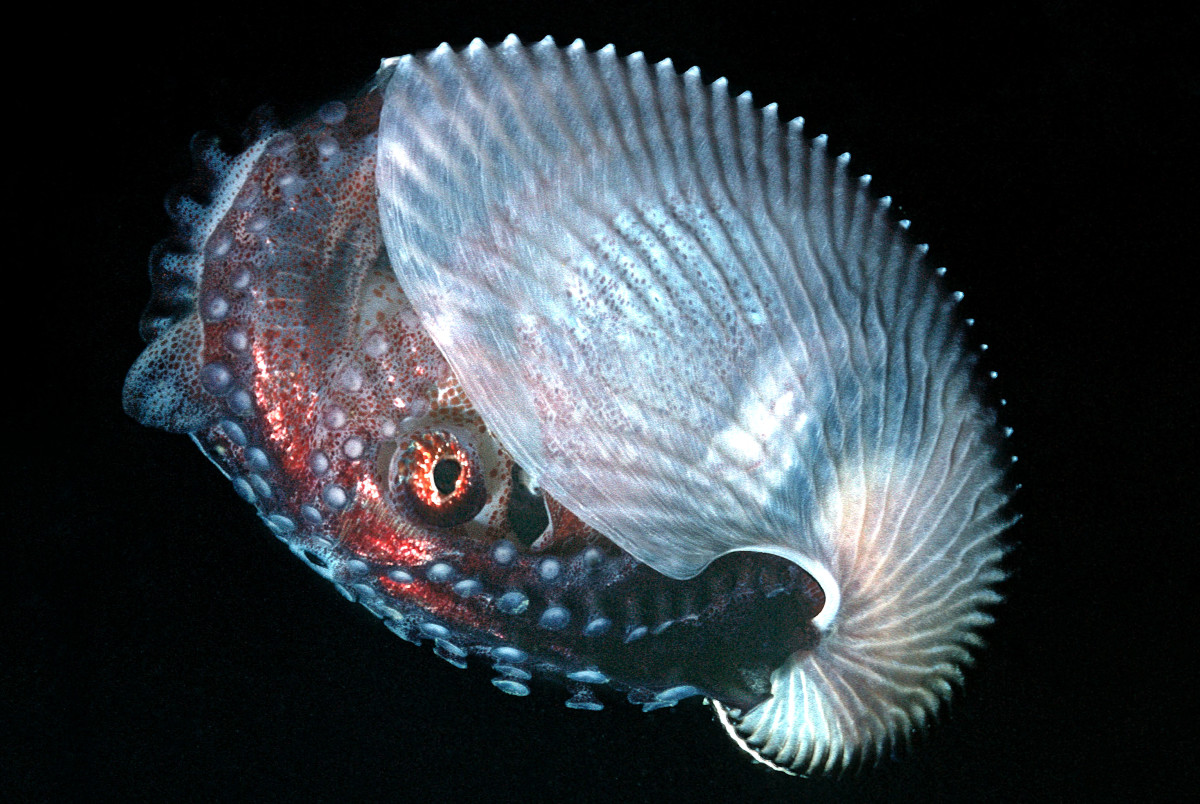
(585,366)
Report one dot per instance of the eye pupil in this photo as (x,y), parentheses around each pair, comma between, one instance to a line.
(445,475)
(434,479)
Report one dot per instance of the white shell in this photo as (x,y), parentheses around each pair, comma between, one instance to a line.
(699,332)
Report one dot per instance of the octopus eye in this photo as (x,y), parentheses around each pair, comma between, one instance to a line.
(435,476)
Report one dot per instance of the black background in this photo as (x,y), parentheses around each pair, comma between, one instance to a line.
(166,647)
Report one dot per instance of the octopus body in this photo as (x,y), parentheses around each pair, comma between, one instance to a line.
(585,369)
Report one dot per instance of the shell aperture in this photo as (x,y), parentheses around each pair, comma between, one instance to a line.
(587,367)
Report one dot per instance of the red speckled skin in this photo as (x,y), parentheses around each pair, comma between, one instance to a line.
(283,343)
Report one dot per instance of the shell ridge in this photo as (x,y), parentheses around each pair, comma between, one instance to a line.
(729,170)
(418,174)
(800,158)
(659,149)
(690,136)
(734,134)
(660,180)
(667,83)
(732,181)
(768,164)
(694,153)
(549,102)
(899,564)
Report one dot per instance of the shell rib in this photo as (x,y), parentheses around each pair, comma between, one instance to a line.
(699,332)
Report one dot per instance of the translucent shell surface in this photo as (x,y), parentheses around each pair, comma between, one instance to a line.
(588,367)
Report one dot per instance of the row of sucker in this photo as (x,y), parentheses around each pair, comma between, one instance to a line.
(647,625)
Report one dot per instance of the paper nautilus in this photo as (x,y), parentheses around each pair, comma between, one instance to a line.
(585,368)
